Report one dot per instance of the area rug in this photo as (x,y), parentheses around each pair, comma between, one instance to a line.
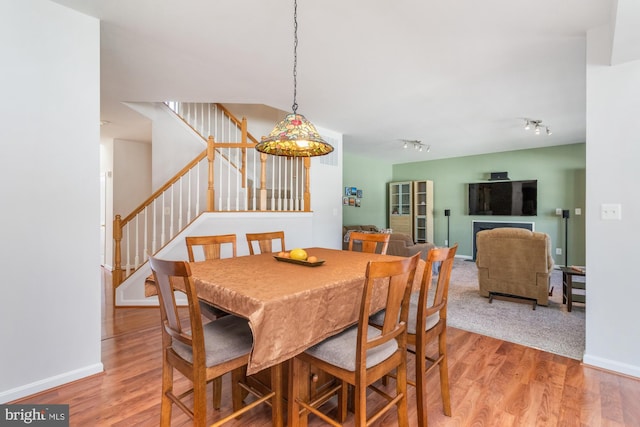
(551,328)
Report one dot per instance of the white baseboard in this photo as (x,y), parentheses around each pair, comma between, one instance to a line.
(48,383)
(611,365)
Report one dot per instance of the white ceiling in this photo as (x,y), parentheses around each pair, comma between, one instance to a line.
(459,75)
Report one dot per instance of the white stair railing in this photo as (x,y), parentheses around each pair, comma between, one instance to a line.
(229,176)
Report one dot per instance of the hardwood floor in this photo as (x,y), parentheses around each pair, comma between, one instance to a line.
(493,383)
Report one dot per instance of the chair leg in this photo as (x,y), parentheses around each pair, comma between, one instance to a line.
(421,385)
(401,388)
(296,372)
(360,403)
(199,402)
(217,393)
(345,399)
(237,392)
(277,417)
(167,387)
(444,373)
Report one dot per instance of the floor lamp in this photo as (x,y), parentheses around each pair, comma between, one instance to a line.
(565,215)
(447,213)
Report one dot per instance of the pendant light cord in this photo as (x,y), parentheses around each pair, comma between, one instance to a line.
(294,107)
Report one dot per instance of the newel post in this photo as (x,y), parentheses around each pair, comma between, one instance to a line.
(210,190)
(116,276)
(307,184)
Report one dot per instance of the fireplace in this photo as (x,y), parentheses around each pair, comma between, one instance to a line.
(489,225)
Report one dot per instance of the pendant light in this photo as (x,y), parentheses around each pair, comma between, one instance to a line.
(294,136)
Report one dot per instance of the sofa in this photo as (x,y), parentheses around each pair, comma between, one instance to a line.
(399,243)
(514,262)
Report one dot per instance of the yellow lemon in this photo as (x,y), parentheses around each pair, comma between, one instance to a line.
(299,254)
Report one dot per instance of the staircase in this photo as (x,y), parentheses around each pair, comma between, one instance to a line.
(228,176)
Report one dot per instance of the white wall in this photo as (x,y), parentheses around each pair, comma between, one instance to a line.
(613,153)
(49,169)
(131,175)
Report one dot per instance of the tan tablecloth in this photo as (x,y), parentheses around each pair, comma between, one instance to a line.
(289,307)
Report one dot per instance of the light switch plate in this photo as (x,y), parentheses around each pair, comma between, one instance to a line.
(611,211)
(578,211)
(558,211)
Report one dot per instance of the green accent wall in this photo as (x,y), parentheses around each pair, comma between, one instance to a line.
(370,176)
(560,172)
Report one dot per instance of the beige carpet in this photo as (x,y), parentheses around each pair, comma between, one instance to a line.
(551,328)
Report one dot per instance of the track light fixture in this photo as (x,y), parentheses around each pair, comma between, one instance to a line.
(537,126)
(417,145)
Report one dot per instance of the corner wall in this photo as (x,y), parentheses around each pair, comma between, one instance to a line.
(613,152)
(50,169)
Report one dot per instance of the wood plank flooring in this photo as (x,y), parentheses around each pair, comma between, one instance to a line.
(493,383)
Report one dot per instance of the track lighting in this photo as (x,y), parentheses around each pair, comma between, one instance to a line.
(417,145)
(537,126)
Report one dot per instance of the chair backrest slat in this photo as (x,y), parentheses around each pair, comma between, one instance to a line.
(211,245)
(445,256)
(265,241)
(370,241)
(167,274)
(398,276)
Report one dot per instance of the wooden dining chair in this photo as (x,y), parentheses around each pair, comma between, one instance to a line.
(370,241)
(207,248)
(210,248)
(265,242)
(362,354)
(427,322)
(203,352)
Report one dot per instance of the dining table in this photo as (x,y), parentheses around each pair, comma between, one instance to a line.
(290,306)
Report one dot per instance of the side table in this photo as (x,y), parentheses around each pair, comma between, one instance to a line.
(568,285)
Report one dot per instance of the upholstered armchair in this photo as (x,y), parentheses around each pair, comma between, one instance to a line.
(515,262)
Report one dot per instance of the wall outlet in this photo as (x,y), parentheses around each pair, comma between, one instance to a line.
(558,251)
(578,211)
(446,242)
(611,211)
(558,211)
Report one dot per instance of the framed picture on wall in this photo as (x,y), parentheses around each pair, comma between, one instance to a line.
(345,201)
(359,194)
(352,201)
(357,203)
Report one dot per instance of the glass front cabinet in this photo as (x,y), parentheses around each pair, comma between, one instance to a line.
(400,207)
(423,211)
(411,209)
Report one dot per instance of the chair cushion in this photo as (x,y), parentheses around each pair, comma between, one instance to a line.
(340,349)
(378,318)
(224,339)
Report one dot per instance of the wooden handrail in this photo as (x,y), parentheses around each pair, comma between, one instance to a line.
(166,186)
(236,121)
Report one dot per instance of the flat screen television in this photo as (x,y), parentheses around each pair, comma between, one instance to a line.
(508,198)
